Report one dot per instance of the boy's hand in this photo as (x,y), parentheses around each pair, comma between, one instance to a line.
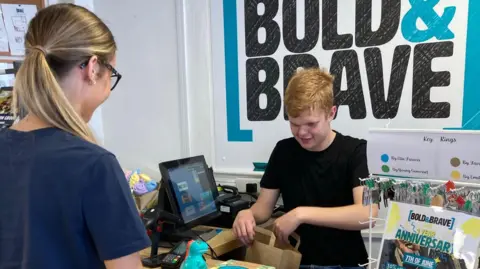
(287,224)
(244,227)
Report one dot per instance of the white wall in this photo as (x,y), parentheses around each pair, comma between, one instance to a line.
(174,116)
(199,77)
(142,119)
(200,90)
(154,99)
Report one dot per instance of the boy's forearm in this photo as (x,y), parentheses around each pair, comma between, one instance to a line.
(260,214)
(344,217)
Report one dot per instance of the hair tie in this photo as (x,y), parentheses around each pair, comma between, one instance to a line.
(41,49)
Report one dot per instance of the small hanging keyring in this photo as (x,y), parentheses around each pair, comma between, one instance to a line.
(471,201)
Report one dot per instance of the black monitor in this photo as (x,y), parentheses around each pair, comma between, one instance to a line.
(191,190)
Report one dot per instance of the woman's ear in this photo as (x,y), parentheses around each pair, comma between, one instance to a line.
(91,70)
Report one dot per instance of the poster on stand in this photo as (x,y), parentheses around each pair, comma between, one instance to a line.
(420,237)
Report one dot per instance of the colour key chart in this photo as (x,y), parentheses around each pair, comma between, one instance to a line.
(444,155)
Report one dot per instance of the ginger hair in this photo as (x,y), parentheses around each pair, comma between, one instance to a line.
(309,89)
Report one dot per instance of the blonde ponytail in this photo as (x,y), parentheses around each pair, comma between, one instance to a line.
(59,38)
(41,95)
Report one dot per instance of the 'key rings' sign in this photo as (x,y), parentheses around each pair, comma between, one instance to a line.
(411,61)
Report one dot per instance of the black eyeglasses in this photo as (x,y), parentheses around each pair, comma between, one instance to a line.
(115,75)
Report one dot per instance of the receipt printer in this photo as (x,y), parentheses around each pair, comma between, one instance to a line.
(230,202)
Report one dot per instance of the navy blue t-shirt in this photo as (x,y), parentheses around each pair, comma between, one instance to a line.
(64,203)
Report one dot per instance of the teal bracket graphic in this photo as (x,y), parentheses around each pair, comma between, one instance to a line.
(471,93)
(230,31)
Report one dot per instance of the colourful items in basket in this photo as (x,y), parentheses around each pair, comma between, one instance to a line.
(128,173)
(140,183)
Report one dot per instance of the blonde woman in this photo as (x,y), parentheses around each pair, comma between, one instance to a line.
(64,201)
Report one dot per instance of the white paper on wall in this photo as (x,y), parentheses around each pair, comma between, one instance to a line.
(17,18)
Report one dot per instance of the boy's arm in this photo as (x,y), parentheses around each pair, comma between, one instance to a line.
(263,207)
(344,217)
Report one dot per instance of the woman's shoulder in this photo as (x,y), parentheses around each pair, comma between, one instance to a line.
(49,138)
(80,150)
(89,162)
(65,143)
(53,154)
(81,144)
(55,146)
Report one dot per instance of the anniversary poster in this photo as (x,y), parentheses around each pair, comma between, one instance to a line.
(429,238)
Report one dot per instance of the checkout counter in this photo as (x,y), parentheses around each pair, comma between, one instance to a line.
(188,204)
(223,244)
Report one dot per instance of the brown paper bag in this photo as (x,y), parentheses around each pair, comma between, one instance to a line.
(267,250)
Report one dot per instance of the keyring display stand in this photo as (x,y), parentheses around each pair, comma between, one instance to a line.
(460,188)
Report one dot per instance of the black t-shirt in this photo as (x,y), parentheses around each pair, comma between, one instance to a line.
(321,179)
(64,203)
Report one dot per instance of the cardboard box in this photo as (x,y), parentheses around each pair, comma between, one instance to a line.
(267,250)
